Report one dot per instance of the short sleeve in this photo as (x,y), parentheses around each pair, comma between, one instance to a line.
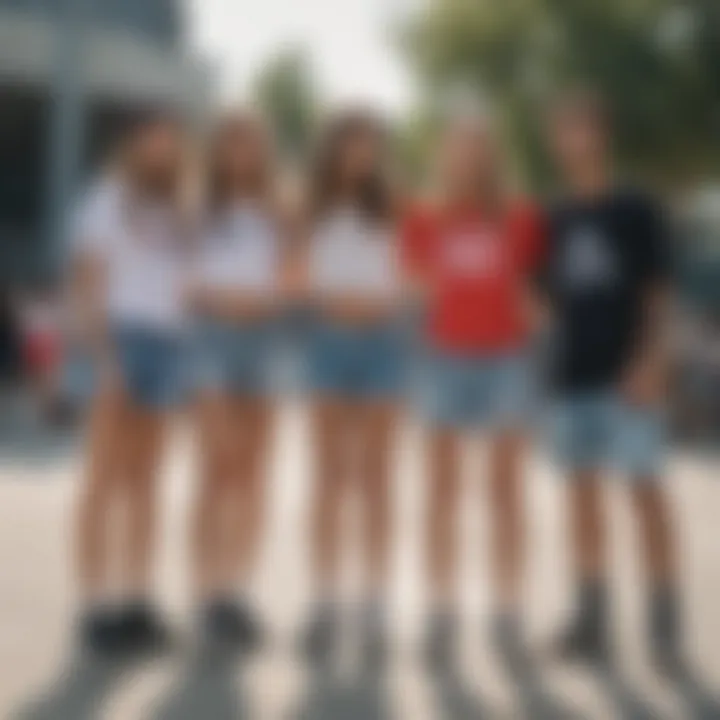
(92,223)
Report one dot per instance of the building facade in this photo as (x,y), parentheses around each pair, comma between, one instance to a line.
(71,73)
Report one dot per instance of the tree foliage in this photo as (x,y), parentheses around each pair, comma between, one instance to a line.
(285,92)
(655,60)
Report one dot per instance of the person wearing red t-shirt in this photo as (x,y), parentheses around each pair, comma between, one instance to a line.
(471,256)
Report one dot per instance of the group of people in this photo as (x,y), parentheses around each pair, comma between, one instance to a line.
(187,272)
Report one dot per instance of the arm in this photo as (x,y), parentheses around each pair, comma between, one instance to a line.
(232,304)
(87,290)
(536,231)
(646,379)
(647,376)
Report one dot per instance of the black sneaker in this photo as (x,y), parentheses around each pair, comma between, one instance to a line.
(509,645)
(144,632)
(440,644)
(583,643)
(320,636)
(100,633)
(665,635)
(231,624)
(374,636)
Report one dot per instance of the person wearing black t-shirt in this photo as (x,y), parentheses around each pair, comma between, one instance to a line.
(606,279)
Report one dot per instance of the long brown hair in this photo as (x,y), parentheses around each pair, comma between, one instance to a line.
(222,181)
(372,194)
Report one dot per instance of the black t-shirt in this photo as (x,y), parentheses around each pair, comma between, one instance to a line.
(603,255)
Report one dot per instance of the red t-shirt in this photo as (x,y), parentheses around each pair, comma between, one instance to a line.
(477,271)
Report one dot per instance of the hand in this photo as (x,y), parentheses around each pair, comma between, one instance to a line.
(644,384)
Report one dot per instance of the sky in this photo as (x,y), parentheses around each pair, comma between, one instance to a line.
(349,45)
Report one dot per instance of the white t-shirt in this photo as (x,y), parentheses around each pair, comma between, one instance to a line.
(146,261)
(351,255)
(240,249)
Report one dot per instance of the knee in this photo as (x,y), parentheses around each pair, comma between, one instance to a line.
(650,501)
(98,490)
(139,478)
(505,491)
(376,488)
(507,457)
(250,487)
(218,469)
(141,490)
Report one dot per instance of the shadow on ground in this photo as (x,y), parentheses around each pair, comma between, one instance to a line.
(81,691)
(210,687)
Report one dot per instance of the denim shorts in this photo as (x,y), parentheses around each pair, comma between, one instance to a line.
(355,361)
(493,391)
(152,365)
(596,431)
(232,358)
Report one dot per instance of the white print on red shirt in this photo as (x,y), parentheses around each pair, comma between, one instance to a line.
(478,253)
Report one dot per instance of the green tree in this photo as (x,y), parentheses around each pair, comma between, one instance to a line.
(655,60)
(285,92)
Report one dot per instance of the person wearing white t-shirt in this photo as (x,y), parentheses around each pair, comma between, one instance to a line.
(130,261)
(354,364)
(237,289)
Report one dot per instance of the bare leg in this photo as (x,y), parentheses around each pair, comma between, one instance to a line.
(654,521)
(441,521)
(587,638)
(212,420)
(587,525)
(377,433)
(508,537)
(653,515)
(146,443)
(251,428)
(330,424)
(99,491)
(442,515)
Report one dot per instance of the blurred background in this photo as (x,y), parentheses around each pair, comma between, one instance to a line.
(72,72)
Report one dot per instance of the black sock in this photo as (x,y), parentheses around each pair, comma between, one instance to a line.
(507,625)
(98,613)
(665,618)
(593,606)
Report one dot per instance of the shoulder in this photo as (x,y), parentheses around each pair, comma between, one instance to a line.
(420,216)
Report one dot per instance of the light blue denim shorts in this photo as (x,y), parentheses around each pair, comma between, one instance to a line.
(494,391)
(599,430)
(358,362)
(152,364)
(232,357)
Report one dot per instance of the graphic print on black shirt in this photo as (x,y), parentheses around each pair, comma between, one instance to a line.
(603,254)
